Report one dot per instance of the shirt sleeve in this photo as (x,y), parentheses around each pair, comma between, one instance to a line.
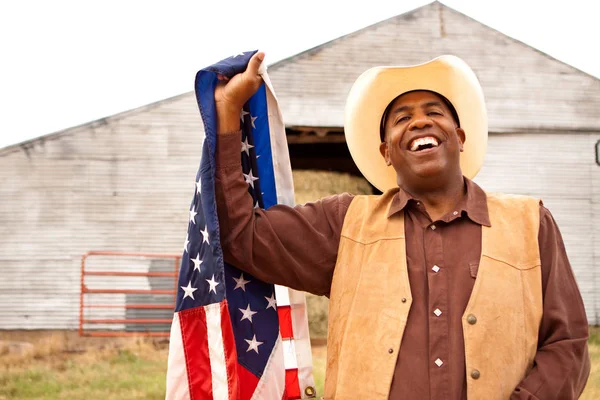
(562,363)
(291,246)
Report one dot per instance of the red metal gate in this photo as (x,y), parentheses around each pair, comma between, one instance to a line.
(87,307)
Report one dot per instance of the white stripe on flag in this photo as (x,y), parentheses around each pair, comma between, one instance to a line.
(289,354)
(282,296)
(272,383)
(216,352)
(177,377)
(301,340)
(284,185)
(282,168)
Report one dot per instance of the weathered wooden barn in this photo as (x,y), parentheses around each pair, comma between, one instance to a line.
(124,182)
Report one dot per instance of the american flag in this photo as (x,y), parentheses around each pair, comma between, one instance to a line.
(233,336)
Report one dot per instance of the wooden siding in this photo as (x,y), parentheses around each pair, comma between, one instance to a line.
(125,182)
(56,206)
(560,169)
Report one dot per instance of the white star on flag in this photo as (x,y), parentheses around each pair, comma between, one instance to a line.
(240,283)
(238,54)
(197,261)
(246,147)
(253,119)
(272,302)
(205,234)
(193,214)
(256,205)
(243,114)
(247,313)
(249,178)
(253,344)
(185,245)
(213,284)
(198,186)
(189,291)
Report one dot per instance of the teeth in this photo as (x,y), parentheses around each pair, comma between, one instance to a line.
(423,141)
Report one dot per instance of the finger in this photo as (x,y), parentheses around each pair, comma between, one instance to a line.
(255,62)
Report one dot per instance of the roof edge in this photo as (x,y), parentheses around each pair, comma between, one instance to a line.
(281,63)
(322,46)
(26,144)
(519,41)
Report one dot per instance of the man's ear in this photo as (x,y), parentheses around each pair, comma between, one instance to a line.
(383,149)
(462,138)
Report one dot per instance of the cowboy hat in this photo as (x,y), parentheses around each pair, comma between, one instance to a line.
(376,88)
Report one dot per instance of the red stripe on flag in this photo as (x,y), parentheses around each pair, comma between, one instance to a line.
(285,322)
(195,346)
(248,383)
(230,352)
(292,385)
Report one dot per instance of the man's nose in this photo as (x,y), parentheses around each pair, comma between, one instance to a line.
(420,122)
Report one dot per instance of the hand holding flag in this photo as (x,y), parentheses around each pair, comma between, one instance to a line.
(234,337)
(232,94)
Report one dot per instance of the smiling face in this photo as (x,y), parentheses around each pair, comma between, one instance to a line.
(422,140)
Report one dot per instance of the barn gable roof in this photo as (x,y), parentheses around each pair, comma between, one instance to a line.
(525,89)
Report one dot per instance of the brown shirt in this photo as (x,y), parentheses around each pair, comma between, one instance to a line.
(297,247)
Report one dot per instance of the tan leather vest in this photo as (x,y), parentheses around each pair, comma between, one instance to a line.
(371,299)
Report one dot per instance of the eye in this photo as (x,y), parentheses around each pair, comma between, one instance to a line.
(402,119)
(434,113)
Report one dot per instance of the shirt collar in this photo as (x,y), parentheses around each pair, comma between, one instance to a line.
(475,204)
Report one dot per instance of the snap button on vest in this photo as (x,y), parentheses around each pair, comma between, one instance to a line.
(404,299)
(475,374)
(390,351)
(471,319)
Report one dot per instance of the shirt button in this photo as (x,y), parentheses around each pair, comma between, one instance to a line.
(404,299)
(475,374)
(435,268)
(438,362)
(471,319)
(390,351)
(455,213)
(437,312)
(433,227)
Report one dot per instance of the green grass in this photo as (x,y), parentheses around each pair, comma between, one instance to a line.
(105,374)
(135,369)
(592,390)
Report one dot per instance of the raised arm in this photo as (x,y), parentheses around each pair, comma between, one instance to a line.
(292,246)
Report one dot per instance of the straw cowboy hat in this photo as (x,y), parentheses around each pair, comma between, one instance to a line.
(376,88)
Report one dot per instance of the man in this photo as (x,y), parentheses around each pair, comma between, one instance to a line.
(438,290)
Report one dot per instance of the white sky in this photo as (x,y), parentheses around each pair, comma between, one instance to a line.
(64,63)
